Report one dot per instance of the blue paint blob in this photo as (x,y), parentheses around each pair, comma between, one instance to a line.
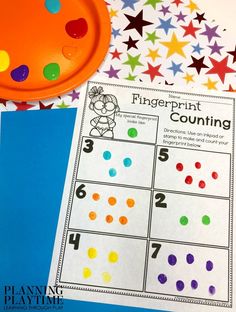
(107,155)
(162,278)
(194,284)
(127,162)
(20,73)
(180,285)
(190,258)
(209,265)
(172,259)
(212,290)
(112,172)
(53,6)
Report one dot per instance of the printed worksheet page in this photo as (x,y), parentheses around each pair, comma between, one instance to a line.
(147,217)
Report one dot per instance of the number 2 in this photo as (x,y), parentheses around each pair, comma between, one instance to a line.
(89,146)
(160,200)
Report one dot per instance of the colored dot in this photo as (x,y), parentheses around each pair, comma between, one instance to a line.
(106,277)
(96,196)
(179,167)
(180,285)
(130,202)
(113,257)
(172,259)
(92,253)
(51,71)
(188,180)
(112,172)
(109,219)
(212,290)
(194,284)
(214,175)
(53,6)
(127,162)
(107,155)
(112,201)
(209,265)
(190,258)
(162,278)
(183,220)
(87,272)
(4,60)
(77,29)
(123,220)
(202,184)
(132,132)
(92,215)
(69,52)
(206,220)
(198,165)
(20,73)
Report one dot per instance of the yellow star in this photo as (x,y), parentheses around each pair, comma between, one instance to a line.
(188,78)
(192,6)
(211,85)
(175,46)
(153,54)
(113,13)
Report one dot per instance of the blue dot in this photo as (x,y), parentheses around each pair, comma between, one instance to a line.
(112,172)
(127,162)
(107,155)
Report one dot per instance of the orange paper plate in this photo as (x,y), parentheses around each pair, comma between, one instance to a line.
(49,47)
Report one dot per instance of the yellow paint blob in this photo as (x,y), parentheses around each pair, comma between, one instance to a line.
(87,272)
(106,277)
(92,253)
(113,257)
(4,60)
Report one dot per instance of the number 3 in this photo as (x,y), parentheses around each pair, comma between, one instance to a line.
(89,146)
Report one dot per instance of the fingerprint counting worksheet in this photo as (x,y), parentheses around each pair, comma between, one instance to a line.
(148,206)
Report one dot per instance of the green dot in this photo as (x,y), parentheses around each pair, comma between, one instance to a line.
(183,220)
(51,71)
(132,132)
(206,220)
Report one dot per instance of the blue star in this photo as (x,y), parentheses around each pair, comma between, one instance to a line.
(197,48)
(166,25)
(129,4)
(116,32)
(175,68)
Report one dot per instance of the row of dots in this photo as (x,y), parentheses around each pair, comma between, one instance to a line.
(112,201)
(184,220)
(109,218)
(87,273)
(112,256)
(172,260)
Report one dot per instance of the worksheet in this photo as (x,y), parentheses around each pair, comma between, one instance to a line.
(146,218)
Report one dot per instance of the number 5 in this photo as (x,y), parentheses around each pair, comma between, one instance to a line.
(163,155)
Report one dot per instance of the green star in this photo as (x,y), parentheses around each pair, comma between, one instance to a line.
(153,3)
(152,37)
(63,105)
(130,77)
(133,61)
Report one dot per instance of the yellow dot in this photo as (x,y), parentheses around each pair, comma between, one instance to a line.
(87,272)
(113,257)
(4,60)
(106,277)
(92,215)
(96,196)
(130,202)
(112,201)
(92,253)
(123,220)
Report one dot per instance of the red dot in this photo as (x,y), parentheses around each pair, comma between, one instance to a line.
(179,167)
(188,180)
(214,175)
(198,165)
(202,184)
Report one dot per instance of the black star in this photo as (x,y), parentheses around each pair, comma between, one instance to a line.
(233,53)
(198,64)
(200,17)
(131,43)
(168,84)
(137,22)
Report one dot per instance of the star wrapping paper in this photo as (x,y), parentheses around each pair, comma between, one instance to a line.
(159,42)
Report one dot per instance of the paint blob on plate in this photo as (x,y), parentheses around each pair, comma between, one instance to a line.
(20,73)
(77,29)
(53,6)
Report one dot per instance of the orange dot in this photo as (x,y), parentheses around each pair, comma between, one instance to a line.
(123,220)
(130,202)
(112,201)
(96,196)
(109,219)
(92,215)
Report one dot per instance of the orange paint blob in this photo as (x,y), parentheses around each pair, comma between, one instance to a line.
(123,220)
(92,215)
(109,219)
(96,196)
(130,202)
(112,201)
(69,52)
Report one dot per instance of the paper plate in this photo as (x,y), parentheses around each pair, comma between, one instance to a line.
(49,47)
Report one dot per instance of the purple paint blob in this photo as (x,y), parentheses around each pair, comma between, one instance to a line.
(212,290)
(180,285)
(20,73)
(194,284)
(190,258)
(209,265)
(162,278)
(172,259)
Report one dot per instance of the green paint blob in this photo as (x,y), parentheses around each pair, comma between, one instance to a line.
(51,71)
(206,220)
(183,220)
(132,132)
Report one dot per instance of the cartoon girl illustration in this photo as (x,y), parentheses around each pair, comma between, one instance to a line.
(105,106)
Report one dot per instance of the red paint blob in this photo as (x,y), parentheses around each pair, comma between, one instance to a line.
(179,167)
(202,184)
(77,29)
(188,180)
(214,175)
(198,165)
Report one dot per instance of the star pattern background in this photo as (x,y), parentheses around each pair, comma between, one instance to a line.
(159,42)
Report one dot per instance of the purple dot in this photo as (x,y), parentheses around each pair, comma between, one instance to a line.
(209,265)
(172,259)
(180,285)
(194,284)
(212,290)
(190,258)
(162,278)
(20,73)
